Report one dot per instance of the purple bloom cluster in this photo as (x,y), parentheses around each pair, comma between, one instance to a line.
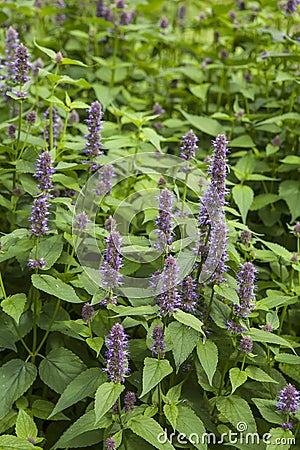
(36,263)
(246,278)
(104,185)
(245,237)
(81,221)
(94,122)
(21,64)
(297,229)
(188,145)
(110,224)
(288,399)
(291,6)
(218,168)
(111,277)
(117,354)
(87,313)
(188,294)
(158,346)
(11,129)
(234,327)
(168,300)
(44,172)
(129,401)
(31,118)
(11,43)
(246,344)
(38,218)
(54,127)
(268,327)
(110,444)
(217,244)
(164,220)
(38,64)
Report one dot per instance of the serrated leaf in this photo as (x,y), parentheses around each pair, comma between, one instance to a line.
(59,368)
(14,305)
(50,249)
(189,424)
(237,378)
(189,320)
(56,287)
(8,442)
(73,62)
(95,343)
(184,340)
(289,190)
(243,197)
(205,124)
(267,409)
(43,408)
(154,371)
(106,396)
(171,413)
(235,409)
(148,429)
(280,439)
(270,338)
(16,376)
(84,385)
(244,141)
(258,374)
(48,51)
(287,358)
(25,426)
(208,357)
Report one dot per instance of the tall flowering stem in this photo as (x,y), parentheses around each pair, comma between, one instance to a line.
(51,129)
(188,150)
(44,172)
(246,279)
(164,220)
(11,43)
(93,138)
(117,364)
(158,347)
(112,263)
(188,294)
(169,300)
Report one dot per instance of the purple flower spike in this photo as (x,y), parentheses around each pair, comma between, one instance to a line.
(11,43)
(104,185)
(21,64)
(81,221)
(246,344)
(218,248)
(246,278)
(117,354)
(234,327)
(111,277)
(110,224)
(291,6)
(164,220)
(158,346)
(188,146)
(288,399)
(218,169)
(44,172)
(36,263)
(93,137)
(110,444)
(169,300)
(31,118)
(38,218)
(87,313)
(129,401)
(246,237)
(188,294)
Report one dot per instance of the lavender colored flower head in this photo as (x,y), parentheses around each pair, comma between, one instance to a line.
(297,229)
(268,327)
(38,64)
(44,172)
(234,327)
(245,237)
(288,399)
(164,23)
(158,346)
(100,8)
(246,344)
(36,263)
(218,249)
(161,181)
(287,426)
(21,64)
(246,279)
(38,218)
(157,109)
(117,365)
(87,313)
(169,300)
(111,277)
(129,401)
(81,222)
(125,18)
(74,116)
(182,12)
(54,127)
(188,294)
(110,444)
(11,129)
(218,168)
(104,185)
(164,220)
(31,118)
(58,58)
(188,145)
(94,122)
(290,6)
(11,43)
(110,224)
(120,4)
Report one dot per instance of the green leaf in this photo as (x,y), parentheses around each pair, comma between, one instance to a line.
(14,305)
(152,137)
(235,409)
(83,432)
(59,368)
(280,439)
(289,190)
(200,91)
(16,376)
(208,357)
(84,385)
(73,62)
(267,409)
(150,430)
(171,413)
(243,197)
(205,124)
(266,336)
(106,396)
(56,287)
(258,374)
(291,159)
(95,343)
(189,424)
(50,249)
(237,378)
(48,51)
(287,358)
(278,250)
(43,408)
(25,426)
(244,141)
(154,371)
(184,340)
(262,200)
(189,320)
(8,442)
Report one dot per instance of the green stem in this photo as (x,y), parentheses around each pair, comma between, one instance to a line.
(184,190)
(49,327)
(19,124)
(243,362)
(283,313)
(113,71)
